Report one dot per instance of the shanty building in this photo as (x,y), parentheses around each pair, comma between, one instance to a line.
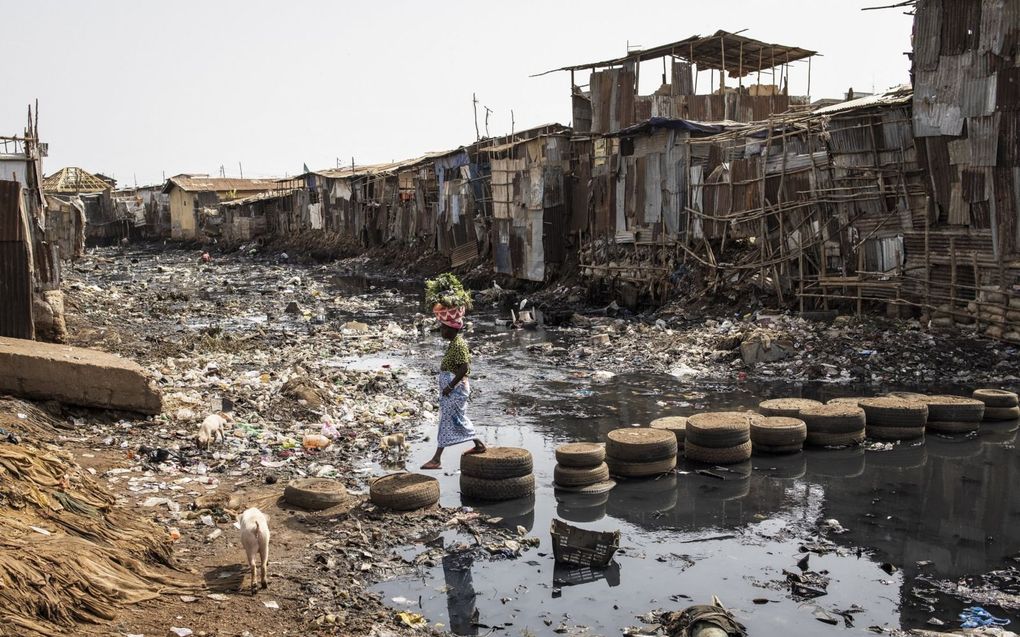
(530,205)
(966,116)
(249,218)
(194,200)
(33,304)
(465,223)
(74,192)
(640,180)
(612,101)
(633,149)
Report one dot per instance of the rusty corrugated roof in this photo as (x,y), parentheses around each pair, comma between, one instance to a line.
(204,183)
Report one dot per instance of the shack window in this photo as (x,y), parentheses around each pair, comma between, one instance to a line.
(313,196)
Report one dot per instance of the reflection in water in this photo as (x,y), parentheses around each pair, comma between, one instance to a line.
(564,575)
(952,500)
(848,462)
(513,513)
(579,507)
(460,594)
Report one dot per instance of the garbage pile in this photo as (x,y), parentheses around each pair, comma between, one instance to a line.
(70,554)
(280,348)
(864,350)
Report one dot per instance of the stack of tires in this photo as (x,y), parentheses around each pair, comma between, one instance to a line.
(785,407)
(721,437)
(581,468)
(890,418)
(833,425)
(954,414)
(1000,405)
(676,424)
(404,491)
(499,473)
(845,400)
(640,453)
(777,434)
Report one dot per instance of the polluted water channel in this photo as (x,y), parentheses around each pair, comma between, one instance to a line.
(904,517)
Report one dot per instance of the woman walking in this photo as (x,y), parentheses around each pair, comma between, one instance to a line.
(454,388)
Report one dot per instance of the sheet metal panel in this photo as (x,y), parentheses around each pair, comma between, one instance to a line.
(15,290)
(11,225)
(928,34)
(983,133)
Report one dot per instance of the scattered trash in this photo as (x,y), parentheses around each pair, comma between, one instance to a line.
(977,617)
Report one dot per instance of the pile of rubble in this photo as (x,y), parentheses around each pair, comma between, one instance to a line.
(844,349)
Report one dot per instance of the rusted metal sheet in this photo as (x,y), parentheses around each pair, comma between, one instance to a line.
(961,26)
(928,34)
(15,290)
(983,133)
(11,226)
(16,285)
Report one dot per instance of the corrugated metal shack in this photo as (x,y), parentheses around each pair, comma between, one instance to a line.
(249,218)
(32,304)
(638,159)
(966,69)
(194,201)
(530,204)
(75,187)
(612,101)
(813,204)
(633,213)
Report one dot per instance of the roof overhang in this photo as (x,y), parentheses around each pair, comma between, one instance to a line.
(739,55)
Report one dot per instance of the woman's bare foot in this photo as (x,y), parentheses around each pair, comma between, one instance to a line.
(432,464)
(478,448)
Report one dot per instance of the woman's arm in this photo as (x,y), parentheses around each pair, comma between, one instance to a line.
(459,373)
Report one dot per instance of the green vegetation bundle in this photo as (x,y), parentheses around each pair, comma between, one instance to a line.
(447,290)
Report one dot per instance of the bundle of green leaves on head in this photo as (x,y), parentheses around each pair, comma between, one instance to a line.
(447,290)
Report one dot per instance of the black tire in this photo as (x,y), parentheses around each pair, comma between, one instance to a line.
(833,419)
(640,444)
(845,400)
(676,424)
(315,494)
(953,427)
(789,407)
(894,412)
(996,397)
(778,431)
(581,454)
(493,490)
(777,450)
(880,432)
(716,455)
(404,491)
(955,409)
(589,490)
(631,469)
(828,439)
(497,463)
(909,395)
(580,476)
(720,429)
(1001,413)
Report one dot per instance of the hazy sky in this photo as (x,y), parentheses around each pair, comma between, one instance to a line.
(135,89)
